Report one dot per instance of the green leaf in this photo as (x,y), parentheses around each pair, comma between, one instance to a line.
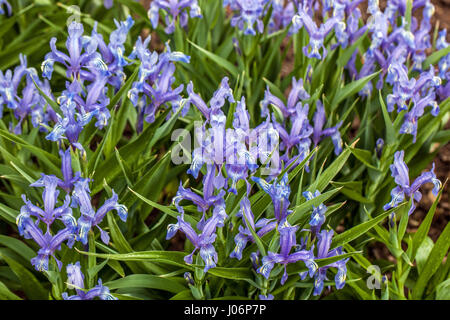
(49,159)
(408,14)
(390,131)
(169,257)
(423,252)
(121,93)
(135,7)
(433,263)
(231,273)
(348,52)
(8,214)
(32,287)
(17,246)
(6,294)
(333,169)
(123,246)
(350,89)
(443,290)
(183,295)
(435,57)
(364,156)
(52,103)
(360,229)
(424,227)
(217,59)
(110,167)
(300,210)
(164,209)
(146,281)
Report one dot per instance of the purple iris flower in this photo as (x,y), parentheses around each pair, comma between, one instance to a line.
(287,242)
(66,168)
(7,5)
(222,94)
(247,14)
(282,13)
(268,297)
(9,84)
(296,94)
(378,25)
(379,147)
(319,132)
(347,31)
(211,145)
(444,66)
(323,251)
(279,191)
(245,235)
(113,53)
(210,183)
(316,35)
(298,137)
(75,280)
(48,243)
(397,8)
(420,92)
(202,242)
(175,10)
(404,189)
(108,4)
(29,102)
(30,230)
(89,217)
(72,122)
(411,118)
(318,214)
(153,88)
(50,212)
(82,52)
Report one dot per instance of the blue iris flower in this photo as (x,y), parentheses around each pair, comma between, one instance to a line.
(202,242)
(175,10)
(279,191)
(82,51)
(316,35)
(263,225)
(75,280)
(30,229)
(323,251)
(318,214)
(287,242)
(319,132)
(153,88)
(247,14)
(404,190)
(89,217)
(7,5)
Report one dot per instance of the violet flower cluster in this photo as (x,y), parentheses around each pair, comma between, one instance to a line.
(31,217)
(26,102)
(153,88)
(174,11)
(228,156)
(406,190)
(90,65)
(290,251)
(296,143)
(75,280)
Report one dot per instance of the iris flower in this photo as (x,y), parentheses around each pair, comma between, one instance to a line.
(405,190)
